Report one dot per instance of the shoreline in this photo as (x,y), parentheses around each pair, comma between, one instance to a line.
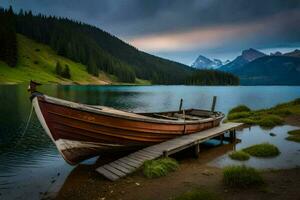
(84,183)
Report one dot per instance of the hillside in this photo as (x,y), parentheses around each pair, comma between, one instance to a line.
(37,61)
(270,70)
(84,50)
(98,50)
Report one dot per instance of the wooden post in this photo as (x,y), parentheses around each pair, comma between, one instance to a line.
(196,150)
(180,105)
(165,154)
(214,104)
(231,136)
(222,139)
(234,135)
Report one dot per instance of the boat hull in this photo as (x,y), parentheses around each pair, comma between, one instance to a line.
(81,133)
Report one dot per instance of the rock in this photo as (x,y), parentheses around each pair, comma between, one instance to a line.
(272,134)
(207,173)
(137,184)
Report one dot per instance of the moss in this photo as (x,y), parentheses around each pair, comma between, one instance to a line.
(294,136)
(241,176)
(198,194)
(270,121)
(239,155)
(296,101)
(294,132)
(238,115)
(262,150)
(159,167)
(240,108)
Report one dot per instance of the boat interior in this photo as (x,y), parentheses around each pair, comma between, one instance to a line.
(191,114)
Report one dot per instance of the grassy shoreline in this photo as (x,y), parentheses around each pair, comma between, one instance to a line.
(267,118)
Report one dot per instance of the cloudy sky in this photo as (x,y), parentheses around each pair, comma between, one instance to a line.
(182,29)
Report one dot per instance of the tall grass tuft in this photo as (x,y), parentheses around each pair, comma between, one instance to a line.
(294,136)
(159,167)
(262,150)
(198,194)
(239,155)
(240,108)
(241,176)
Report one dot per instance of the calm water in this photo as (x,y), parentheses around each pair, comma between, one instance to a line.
(30,165)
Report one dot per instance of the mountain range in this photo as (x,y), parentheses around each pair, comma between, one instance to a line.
(256,68)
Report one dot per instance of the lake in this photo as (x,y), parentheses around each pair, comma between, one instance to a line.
(30,165)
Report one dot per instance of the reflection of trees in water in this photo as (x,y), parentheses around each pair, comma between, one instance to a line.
(13,110)
(15,149)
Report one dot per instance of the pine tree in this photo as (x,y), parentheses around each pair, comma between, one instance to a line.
(66,72)
(58,69)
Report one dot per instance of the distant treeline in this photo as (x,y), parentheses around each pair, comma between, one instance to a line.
(8,38)
(212,77)
(97,49)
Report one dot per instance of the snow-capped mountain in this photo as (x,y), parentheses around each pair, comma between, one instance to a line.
(203,62)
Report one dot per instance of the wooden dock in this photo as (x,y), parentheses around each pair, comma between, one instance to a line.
(128,164)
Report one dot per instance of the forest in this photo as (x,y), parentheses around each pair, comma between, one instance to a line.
(97,49)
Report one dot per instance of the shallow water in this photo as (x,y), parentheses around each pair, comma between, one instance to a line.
(30,166)
(289,156)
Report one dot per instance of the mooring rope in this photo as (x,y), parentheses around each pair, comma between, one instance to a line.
(26,126)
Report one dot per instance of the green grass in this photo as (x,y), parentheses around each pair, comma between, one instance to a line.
(265,117)
(142,82)
(240,108)
(198,194)
(239,155)
(262,150)
(294,136)
(37,62)
(159,167)
(241,176)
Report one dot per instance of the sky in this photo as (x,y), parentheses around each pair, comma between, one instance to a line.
(181,30)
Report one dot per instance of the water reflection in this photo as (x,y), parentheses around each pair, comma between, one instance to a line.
(288,158)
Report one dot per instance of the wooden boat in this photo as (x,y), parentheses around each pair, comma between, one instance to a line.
(82,131)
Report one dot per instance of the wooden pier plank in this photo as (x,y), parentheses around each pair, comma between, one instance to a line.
(130,163)
(120,167)
(114,170)
(107,174)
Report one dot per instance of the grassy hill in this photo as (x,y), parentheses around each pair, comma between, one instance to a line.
(37,62)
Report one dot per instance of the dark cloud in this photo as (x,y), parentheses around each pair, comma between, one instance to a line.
(137,18)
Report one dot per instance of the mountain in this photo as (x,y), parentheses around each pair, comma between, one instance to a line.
(203,62)
(247,56)
(277,53)
(295,53)
(270,70)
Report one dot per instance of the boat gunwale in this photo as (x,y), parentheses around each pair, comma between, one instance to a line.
(142,118)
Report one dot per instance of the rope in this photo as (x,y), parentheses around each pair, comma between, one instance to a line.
(26,126)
